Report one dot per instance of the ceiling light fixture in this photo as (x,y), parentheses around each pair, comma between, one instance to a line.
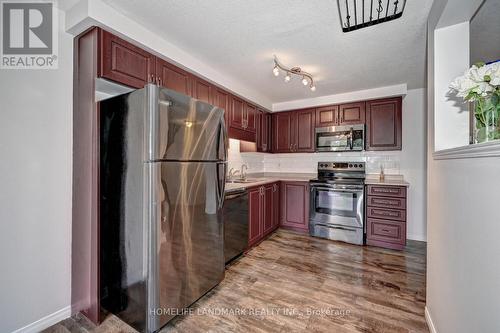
(307,79)
(357,14)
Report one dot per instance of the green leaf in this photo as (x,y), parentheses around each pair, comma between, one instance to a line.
(479,64)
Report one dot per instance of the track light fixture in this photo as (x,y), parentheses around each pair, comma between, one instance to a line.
(307,79)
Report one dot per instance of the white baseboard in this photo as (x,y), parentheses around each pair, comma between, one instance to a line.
(429,321)
(46,321)
(420,238)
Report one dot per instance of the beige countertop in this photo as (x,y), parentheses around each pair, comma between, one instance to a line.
(270,177)
(390,180)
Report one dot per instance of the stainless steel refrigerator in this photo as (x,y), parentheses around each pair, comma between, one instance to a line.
(162,173)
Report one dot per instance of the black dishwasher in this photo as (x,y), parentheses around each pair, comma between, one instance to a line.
(235,223)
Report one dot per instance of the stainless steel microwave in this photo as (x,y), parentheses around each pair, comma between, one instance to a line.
(340,138)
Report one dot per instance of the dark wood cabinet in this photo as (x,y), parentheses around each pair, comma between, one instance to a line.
(203,90)
(276,206)
(339,115)
(267,211)
(384,124)
(237,117)
(327,116)
(263,216)
(124,62)
(351,114)
(282,132)
(222,99)
(250,118)
(293,131)
(263,131)
(254,216)
(386,216)
(303,139)
(295,206)
(172,77)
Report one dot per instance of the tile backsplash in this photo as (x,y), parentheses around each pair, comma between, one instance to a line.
(308,162)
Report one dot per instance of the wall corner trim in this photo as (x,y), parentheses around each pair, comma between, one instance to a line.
(46,321)
(429,321)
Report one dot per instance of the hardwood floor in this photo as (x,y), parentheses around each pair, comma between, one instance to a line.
(296,283)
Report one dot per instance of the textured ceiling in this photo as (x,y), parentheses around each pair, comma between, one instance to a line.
(239,37)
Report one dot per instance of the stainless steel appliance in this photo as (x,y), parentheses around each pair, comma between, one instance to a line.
(235,224)
(337,202)
(163,172)
(340,138)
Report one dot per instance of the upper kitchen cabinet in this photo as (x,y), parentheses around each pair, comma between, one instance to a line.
(242,120)
(304,121)
(327,116)
(222,99)
(293,131)
(339,115)
(282,132)
(237,117)
(203,90)
(251,117)
(351,114)
(383,124)
(123,62)
(263,131)
(172,77)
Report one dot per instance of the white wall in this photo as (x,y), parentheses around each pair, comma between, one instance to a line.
(35,195)
(463,221)
(410,162)
(451,59)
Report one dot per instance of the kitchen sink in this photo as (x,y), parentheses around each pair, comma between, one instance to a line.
(244,181)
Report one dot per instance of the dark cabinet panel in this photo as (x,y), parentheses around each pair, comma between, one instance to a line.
(203,90)
(263,131)
(237,118)
(172,77)
(384,124)
(267,209)
(327,116)
(125,63)
(386,233)
(282,132)
(250,118)
(351,114)
(276,206)
(304,133)
(254,216)
(295,205)
(222,99)
(386,216)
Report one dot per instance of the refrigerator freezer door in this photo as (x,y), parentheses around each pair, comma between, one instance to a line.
(188,235)
(184,129)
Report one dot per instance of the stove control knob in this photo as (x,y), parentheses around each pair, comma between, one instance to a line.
(350,165)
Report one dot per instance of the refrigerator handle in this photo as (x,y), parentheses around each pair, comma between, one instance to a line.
(223,140)
(221,183)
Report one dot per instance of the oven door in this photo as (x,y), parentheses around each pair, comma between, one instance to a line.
(337,205)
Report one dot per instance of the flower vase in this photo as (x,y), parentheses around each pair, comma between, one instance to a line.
(487,119)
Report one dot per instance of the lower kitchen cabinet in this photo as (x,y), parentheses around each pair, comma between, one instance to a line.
(263,212)
(386,216)
(295,206)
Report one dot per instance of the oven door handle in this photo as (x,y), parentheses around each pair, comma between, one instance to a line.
(329,189)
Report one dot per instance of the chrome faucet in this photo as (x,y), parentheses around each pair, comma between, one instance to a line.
(243,174)
(232,173)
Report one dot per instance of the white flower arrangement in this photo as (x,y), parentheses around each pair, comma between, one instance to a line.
(478,81)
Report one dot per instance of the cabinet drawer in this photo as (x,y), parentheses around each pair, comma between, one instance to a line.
(384,213)
(387,191)
(386,231)
(386,202)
